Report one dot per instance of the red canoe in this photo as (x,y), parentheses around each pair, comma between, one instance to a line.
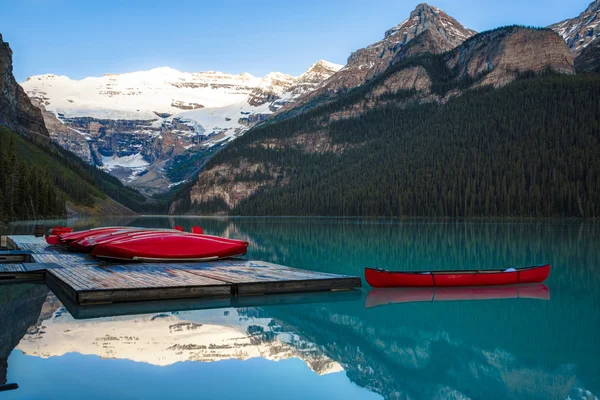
(379,297)
(164,246)
(380,278)
(68,237)
(89,242)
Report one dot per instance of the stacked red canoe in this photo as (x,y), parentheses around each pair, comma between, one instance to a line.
(143,244)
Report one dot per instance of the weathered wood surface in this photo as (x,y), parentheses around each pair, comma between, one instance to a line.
(84,279)
(260,277)
(12,268)
(14,256)
(18,271)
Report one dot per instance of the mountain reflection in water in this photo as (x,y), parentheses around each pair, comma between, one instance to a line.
(501,345)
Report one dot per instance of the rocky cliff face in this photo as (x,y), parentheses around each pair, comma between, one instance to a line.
(498,56)
(580,31)
(141,126)
(493,58)
(66,137)
(16,110)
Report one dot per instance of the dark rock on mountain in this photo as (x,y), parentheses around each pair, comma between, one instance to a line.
(182,105)
(580,31)
(589,59)
(16,110)
(253,119)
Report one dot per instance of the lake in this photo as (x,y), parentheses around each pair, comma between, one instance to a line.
(533,343)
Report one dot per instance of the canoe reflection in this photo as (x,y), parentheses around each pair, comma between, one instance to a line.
(381,297)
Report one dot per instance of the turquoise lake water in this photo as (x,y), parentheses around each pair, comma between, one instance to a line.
(533,343)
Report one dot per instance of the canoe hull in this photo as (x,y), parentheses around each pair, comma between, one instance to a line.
(382,279)
(165,247)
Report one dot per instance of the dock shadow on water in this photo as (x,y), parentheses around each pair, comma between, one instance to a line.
(528,344)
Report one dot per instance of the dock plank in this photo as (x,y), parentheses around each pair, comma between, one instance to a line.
(12,268)
(10,272)
(260,277)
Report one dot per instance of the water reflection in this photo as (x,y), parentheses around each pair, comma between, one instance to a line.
(513,343)
(379,297)
(20,307)
(168,338)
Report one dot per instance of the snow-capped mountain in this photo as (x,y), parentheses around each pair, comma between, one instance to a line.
(579,32)
(135,124)
(165,339)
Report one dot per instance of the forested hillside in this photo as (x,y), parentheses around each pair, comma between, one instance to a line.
(43,170)
(26,192)
(529,149)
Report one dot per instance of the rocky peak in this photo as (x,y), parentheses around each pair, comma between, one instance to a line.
(425,17)
(279,89)
(270,88)
(16,110)
(322,67)
(580,31)
(436,30)
(315,75)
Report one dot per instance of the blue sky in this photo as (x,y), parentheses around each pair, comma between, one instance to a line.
(81,38)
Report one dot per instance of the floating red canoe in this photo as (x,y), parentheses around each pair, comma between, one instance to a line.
(379,297)
(170,247)
(380,278)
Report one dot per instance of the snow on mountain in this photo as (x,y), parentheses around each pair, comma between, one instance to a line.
(166,339)
(161,113)
(139,95)
(580,31)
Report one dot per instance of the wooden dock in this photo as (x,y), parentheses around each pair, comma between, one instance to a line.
(83,279)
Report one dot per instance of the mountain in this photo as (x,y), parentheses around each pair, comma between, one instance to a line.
(40,179)
(169,338)
(347,156)
(149,128)
(579,32)
(16,111)
(436,31)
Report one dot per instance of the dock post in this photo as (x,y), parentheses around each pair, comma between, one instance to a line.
(39,231)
